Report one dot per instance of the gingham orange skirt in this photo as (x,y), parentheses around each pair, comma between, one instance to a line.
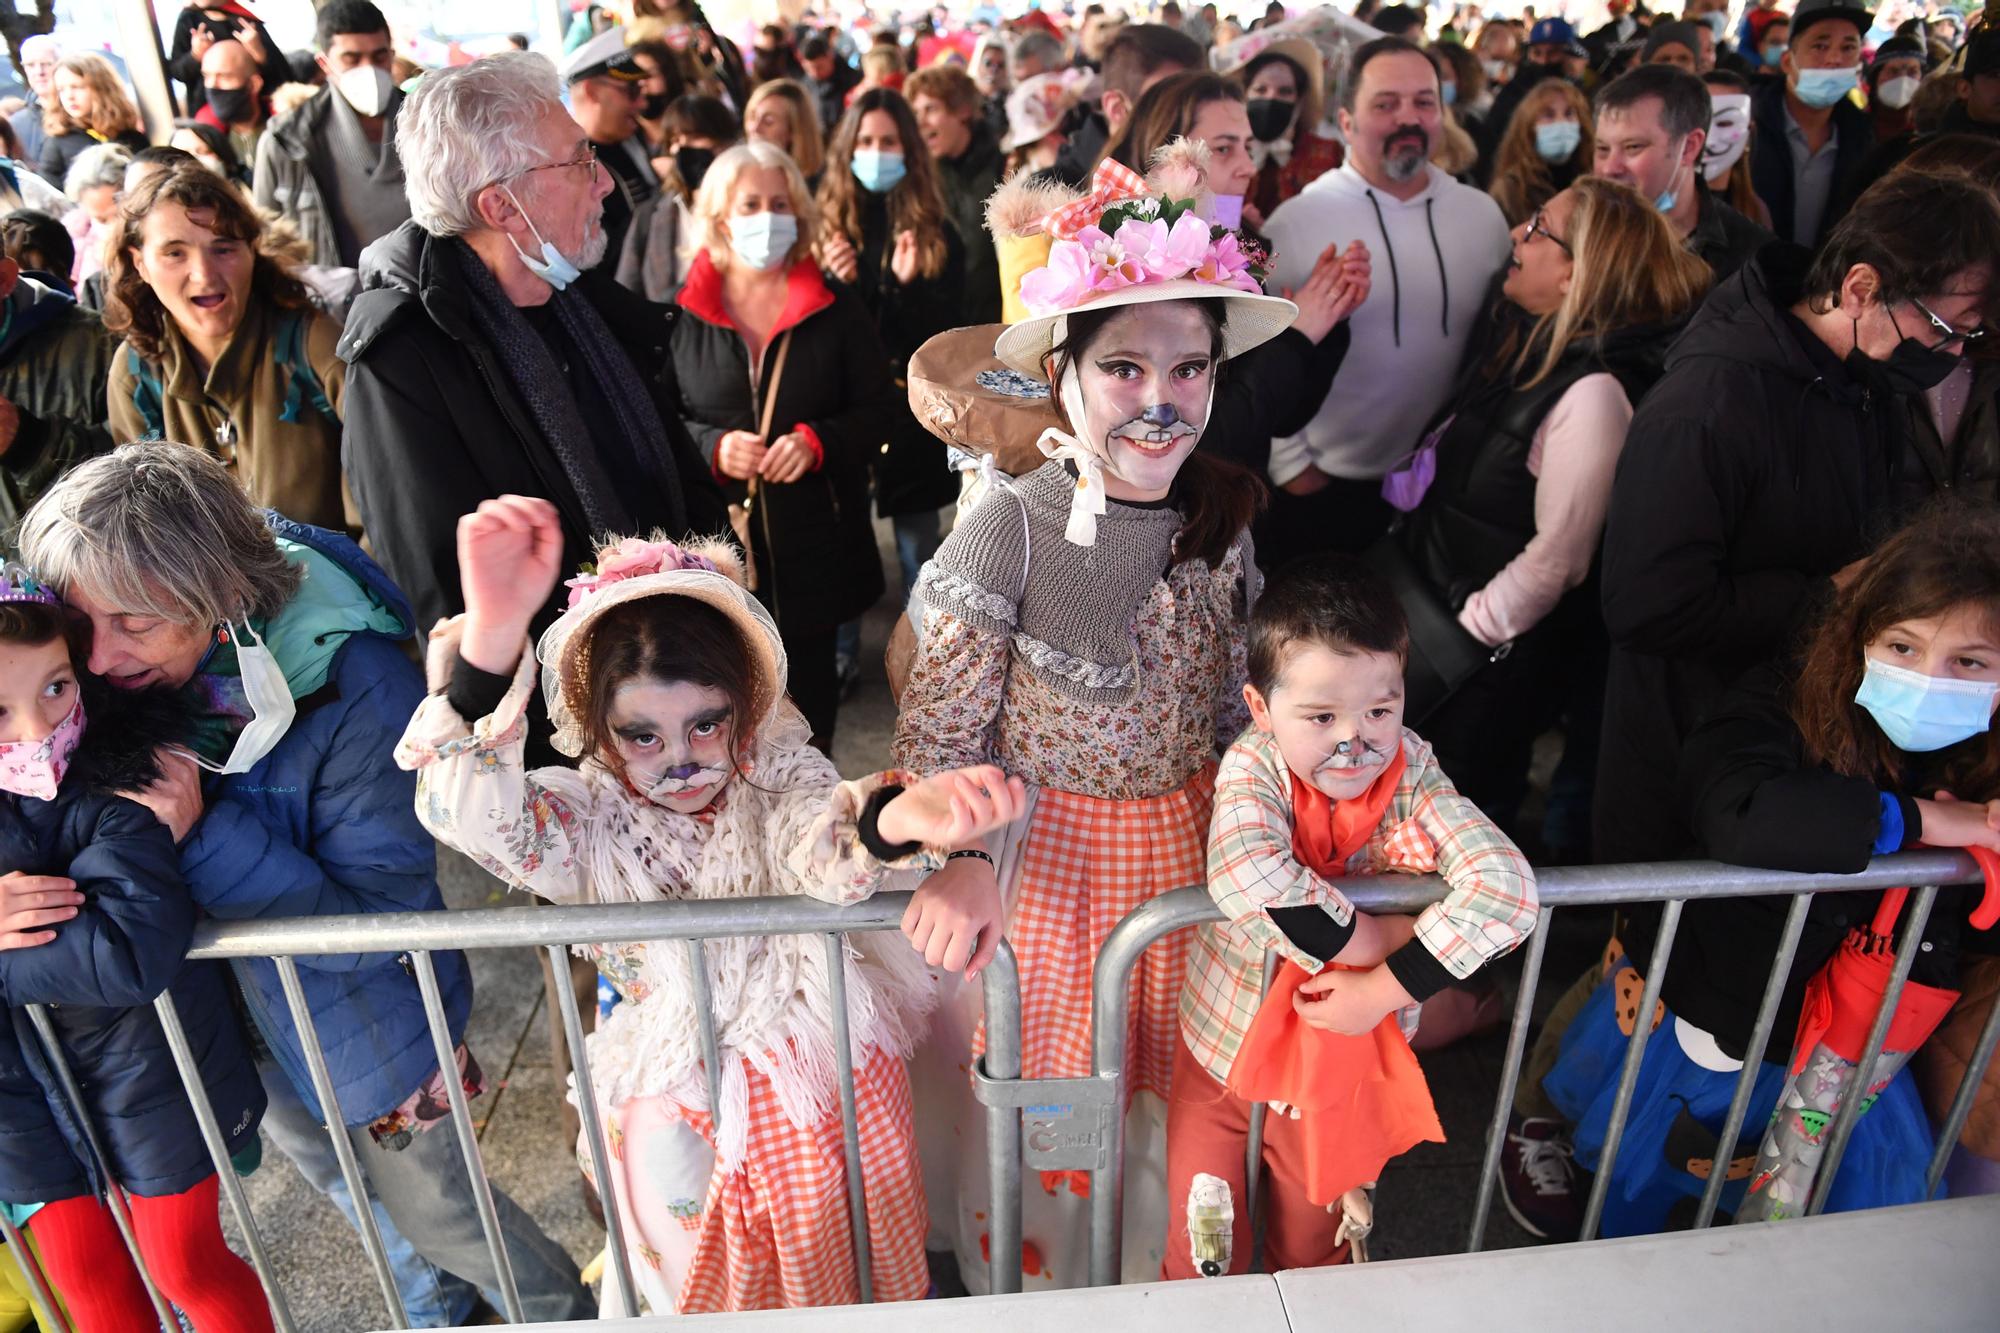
(775,1233)
(1086,864)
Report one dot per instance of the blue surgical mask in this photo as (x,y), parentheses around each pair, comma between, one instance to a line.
(1451,94)
(878,172)
(762,240)
(554,267)
(1774,54)
(1823,87)
(1555,140)
(1920,713)
(1718,23)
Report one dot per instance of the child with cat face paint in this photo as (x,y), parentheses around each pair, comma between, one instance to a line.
(1327,782)
(667,678)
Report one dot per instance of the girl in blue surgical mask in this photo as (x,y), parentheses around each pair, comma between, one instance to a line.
(1878,737)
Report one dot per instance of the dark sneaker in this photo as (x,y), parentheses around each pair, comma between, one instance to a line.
(1539,1179)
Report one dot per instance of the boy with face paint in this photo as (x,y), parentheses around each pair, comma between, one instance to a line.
(1326,783)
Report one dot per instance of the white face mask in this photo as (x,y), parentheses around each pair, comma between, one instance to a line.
(1728,133)
(762,240)
(1898,93)
(367,89)
(270,700)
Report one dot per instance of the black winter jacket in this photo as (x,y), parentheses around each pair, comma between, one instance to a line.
(433,427)
(968,181)
(1755,468)
(1757,800)
(1771,160)
(100,975)
(817,562)
(912,474)
(55,359)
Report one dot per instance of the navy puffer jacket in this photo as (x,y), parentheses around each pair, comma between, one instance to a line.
(326,825)
(99,977)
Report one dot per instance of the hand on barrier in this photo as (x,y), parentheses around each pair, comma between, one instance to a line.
(1950,822)
(955,920)
(31,903)
(509,558)
(1375,938)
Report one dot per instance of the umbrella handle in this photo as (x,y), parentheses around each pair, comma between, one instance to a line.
(1887,911)
(1988,911)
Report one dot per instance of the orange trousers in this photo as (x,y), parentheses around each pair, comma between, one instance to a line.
(1208,1130)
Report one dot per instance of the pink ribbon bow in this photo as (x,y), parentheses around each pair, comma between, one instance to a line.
(1112,183)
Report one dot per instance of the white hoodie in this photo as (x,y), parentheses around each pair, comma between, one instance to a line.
(1434,257)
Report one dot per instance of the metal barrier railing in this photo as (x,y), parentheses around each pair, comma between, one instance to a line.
(1047,1124)
(415,936)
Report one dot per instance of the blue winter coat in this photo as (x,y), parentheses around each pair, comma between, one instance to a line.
(99,977)
(326,825)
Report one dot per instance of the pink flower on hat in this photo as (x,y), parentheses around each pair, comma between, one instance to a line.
(1059,284)
(1225,265)
(632,558)
(1113,263)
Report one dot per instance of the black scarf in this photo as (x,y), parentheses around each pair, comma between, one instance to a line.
(551,402)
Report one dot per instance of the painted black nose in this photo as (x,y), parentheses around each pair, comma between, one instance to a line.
(1160,415)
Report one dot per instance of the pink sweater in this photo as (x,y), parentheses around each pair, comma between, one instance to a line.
(1573,456)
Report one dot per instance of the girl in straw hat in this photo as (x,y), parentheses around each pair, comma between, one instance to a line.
(1084,627)
(667,679)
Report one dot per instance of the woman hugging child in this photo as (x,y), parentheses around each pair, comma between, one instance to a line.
(667,678)
(98,921)
(1327,782)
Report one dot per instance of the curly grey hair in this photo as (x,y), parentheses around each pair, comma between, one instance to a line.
(100,164)
(466,128)
(159,530)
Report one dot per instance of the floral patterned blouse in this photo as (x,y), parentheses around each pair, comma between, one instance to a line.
(964,705)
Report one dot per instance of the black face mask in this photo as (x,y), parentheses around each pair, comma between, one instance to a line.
(653,106)
(1270,117)
(1910,367)
(693,164)
(230,104)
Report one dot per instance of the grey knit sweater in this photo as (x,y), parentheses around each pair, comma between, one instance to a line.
(1073,623)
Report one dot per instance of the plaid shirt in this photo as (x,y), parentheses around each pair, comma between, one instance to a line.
(1427,828)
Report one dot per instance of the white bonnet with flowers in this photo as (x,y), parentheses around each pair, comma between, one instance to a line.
(629,569)
(1130,241)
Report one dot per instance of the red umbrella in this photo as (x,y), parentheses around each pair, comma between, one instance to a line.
(1841,1003)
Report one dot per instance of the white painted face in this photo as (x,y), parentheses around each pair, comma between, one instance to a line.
(675,740)
(1337,716)
(1147,380)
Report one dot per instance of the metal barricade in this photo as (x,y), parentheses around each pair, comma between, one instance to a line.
(415,936)
(1046,1124)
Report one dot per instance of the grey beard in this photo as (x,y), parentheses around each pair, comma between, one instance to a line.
(1403,166)
(594,245)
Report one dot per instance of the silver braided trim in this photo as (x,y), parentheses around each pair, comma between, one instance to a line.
(1081,671)
(964,591)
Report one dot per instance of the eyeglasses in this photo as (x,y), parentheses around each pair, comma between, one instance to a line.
(1537,227)
(588,158)
(1951,335)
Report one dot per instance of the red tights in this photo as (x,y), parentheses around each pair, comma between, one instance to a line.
(181,1239)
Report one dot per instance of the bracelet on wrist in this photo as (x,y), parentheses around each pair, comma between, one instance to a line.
(975,854)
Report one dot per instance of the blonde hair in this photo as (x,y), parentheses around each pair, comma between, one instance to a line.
(111,110)
(808,145)
(1522,179)
(711,202)
(1629,268)
(882,64)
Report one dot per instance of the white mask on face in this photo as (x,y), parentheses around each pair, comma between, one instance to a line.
(1898,93)
(367,89)
(1728,133)
(270,700)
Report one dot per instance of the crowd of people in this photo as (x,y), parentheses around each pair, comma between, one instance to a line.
(1302,446)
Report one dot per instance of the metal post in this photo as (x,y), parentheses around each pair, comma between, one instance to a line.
(336,1131)
(1002,982)
(704,1020)
(1628,1077)
(218,1153)
(461,1122)
(1510,1076)
(139,44)
(1753,1059)
(1961,1104)
(593,1128)
(114,1193)
(1851,1106)
(850,1131)
(47,1309)
(1253,1152)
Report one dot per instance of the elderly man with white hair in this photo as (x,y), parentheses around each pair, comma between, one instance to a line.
(487,358)
(39,55)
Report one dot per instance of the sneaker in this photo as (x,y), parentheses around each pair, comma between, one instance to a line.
(1539,1179)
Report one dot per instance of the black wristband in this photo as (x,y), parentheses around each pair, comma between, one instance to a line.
(1421,974)
(474,693)
(1312,930)
(869,828)
(974,854)
(1913,820)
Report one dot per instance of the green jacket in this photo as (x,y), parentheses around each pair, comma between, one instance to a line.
(55,358)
